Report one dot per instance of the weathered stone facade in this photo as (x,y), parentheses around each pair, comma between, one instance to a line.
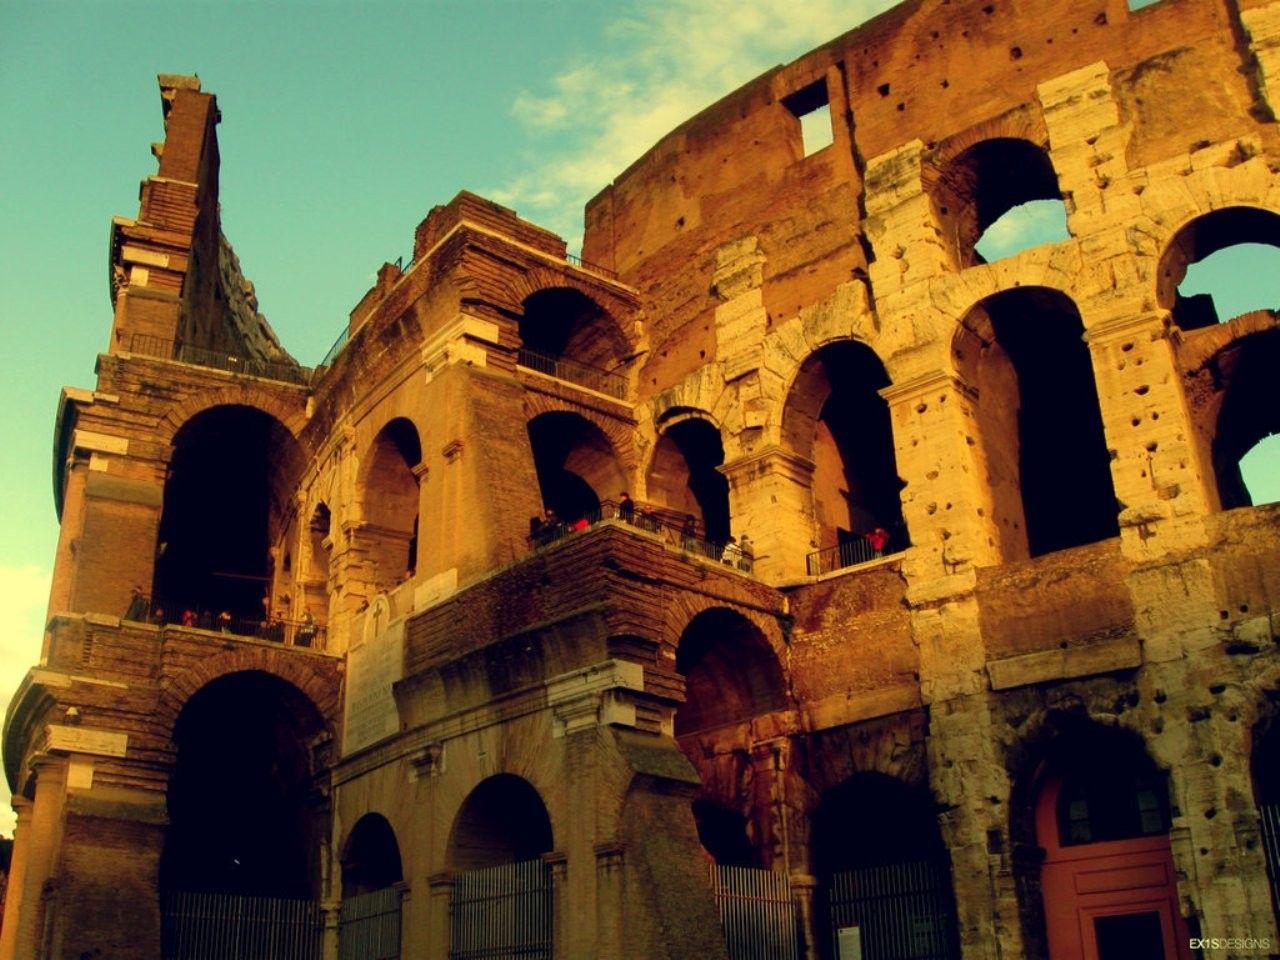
(798,348)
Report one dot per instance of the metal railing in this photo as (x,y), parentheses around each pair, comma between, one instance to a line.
(851,553)
(680,537)
(1270,813)
(336,349)
(149,346)
(220,926)
(290,633)
(591,267)
(501,913)
(593,378)
(902,911)
(757,913)
(369,926)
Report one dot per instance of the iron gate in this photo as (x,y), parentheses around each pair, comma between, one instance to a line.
(1271,847)
(903,911)
(757,913)
(501,913)
(369,926)
(220,926)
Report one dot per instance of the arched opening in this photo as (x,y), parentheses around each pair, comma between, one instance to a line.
(1266,792)
(561,323)
(576,465)
(683,476)
(1048,469)
(725,834)
(731,674)
(989,180)
(244,815)
(836,417)
(1221,265)
(226,499)
(501,903)
(319,557)
(883,871)
(369,921)
(1248,421)
(390,500)
(1099,811)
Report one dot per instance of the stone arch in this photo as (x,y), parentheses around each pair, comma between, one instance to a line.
(370,856)
(732,673)
(524,284)
(292,416)
(1066,761)
(686,605)
(683,474)
(1198,237)
(316,679)
(1230,371)
(576,463)
(976,181)
(835,417)
(229,503)
(618,432)
(244,817)
(503,819)
(1038,420)
(389,490)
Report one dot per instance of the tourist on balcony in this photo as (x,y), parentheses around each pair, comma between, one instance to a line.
(731,555)
(189,618)
(307,630)
(224,621)
(626,508)
(689,533)
(748,556)
(138,605)
(877,539)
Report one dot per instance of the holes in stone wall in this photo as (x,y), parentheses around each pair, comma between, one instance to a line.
(812,112)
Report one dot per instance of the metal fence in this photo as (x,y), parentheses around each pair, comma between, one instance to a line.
(593,378)
(218,926)
(677,536)
(757,912)
(290,633)
(149,346)
(903,911)
(1271,847)
(369,926)
(591,267)
(501,913)
(847,554)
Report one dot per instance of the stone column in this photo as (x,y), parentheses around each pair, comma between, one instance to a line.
(42,851)
(611,892)
(947,503)
(439,895)
(17,877)
(771,499)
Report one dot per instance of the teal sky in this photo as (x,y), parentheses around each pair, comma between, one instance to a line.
(343,124)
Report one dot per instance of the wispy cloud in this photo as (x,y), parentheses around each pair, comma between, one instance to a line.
(656,66)
(24,594)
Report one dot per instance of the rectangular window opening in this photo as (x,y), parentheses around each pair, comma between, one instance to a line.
(811,108)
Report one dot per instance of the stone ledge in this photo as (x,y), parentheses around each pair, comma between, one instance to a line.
(1122,654)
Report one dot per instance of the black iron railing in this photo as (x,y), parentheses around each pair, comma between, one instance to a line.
(149,346)
(290,633)
(503,911)
(591,267)
(593,378)
(851,553)
(675,536)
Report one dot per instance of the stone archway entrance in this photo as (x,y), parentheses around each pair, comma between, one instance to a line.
(1108,879)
